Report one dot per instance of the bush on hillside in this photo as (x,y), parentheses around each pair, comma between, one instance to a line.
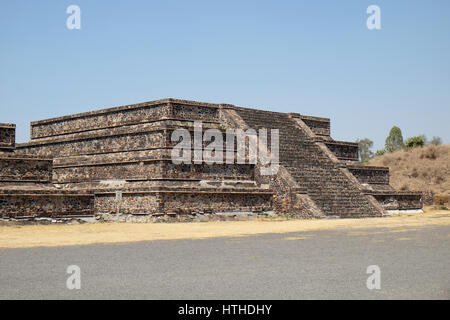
(380,152)
(436,141)
(414,142)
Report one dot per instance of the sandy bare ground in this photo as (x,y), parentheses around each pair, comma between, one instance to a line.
(69,235)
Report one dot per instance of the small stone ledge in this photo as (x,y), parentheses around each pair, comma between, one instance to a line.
(124,108)
(119,125)
(72,220)
(406,211)
(192,217)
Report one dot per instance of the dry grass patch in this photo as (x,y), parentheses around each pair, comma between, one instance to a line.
(107,233)
(420,169)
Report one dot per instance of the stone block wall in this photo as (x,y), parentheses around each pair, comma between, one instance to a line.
(117,140)
(200,201)
(116,170)
(127,141)
(127,203)
(215,202)
(320,126)
(149,170)
(96,120)
(16,168)
(206,171)
(399,200)
(7,136)
(344,150)
(195,112)
(123,116)
(25,169)
(25,185)
(125,156)
(28,205)
(371,174)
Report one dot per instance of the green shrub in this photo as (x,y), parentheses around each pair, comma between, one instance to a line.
(414,142)
(380,152)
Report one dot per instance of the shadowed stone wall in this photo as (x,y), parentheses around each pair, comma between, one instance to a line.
(26,190)
(183,202)
(373,175)
(19,205)
(399,200)
(320,126)
(344,150)
(25,169)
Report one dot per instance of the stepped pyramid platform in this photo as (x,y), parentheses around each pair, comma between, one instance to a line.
(118,160)
(26,189)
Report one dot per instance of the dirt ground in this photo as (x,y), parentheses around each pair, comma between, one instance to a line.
(69,235)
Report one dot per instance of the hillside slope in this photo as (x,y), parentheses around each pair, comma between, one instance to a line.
(420,169)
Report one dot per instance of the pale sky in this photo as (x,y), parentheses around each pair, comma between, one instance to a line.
(311,57)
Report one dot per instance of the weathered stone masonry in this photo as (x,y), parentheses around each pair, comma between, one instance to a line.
(7,136)
(26,189)
(118,160)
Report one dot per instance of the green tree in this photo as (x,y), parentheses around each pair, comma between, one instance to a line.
(414,142)
(364,146)
(394,140)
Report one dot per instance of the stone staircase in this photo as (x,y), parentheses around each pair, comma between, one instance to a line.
(330,189)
